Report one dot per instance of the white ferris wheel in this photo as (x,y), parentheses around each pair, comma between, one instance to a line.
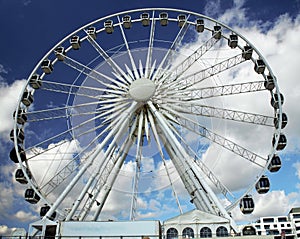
(148,104)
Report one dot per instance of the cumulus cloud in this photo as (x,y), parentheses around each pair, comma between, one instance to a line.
(9,96)
(277,42)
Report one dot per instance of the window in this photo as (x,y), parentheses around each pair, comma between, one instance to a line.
(249,230)
(275,225)
(188,233)
(205,232)
(282,219)
(268,220)
(267,226)
(172,233)
(222,232)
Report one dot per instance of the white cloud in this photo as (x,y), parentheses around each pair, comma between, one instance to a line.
(212,8)
(24,216)
(9,96)
(279,44)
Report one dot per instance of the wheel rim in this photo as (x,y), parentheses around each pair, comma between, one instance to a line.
(98,91)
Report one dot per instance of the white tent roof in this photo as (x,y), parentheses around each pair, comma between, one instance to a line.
(196,216)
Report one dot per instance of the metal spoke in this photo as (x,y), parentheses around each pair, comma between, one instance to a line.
(209,111)
(106,177)
(158,143)
(110,61)
(177,71)
(150,48)
(198,93)
(85,91)
(222,141)
(213,178)
(166,61)
(134,68)
(195,78)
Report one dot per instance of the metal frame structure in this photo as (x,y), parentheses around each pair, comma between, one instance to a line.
(113,115)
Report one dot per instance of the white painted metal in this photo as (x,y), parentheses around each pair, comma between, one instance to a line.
(140,93)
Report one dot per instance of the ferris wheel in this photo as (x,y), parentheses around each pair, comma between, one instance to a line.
(143,105)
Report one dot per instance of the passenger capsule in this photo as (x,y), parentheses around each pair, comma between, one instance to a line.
(275,100)
(263,185)
(35,82)
(199,25)
(60,53)
(47,66)
(44,210)
(181,20)
(109,27)
(75,42)
(145,19)
(247,204)
(21,116)
(13,154)
(163,18)
(233,41)
(282,141)
(259,66)
(284,120)
(31,196)
(127,21)
(27,98)
(269,83)
(20,176)
(20,135)
(217,32)
(247,52)
(275,164)
(91,31)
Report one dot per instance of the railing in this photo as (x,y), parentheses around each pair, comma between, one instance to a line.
(150,237)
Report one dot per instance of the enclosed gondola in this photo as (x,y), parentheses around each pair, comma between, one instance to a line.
(109,26)
(31,196)
(13,154)
(233,41)
(199,25)
(47,66)
(163,18)
(20,176)
(181,20)
(75,42)
(35,81)
(284,120)
(145,19)
(263,185)
(44,210)
(259,66)
(275,100)
(275,164)
(127,21)
(247,204)
(269,83)
(60,53)
(247,52)
(282,141)
(91,31)
(27,98)
(217,32)
(19,134)
(21,116)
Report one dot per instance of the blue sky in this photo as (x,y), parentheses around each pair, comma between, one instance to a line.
(30,28)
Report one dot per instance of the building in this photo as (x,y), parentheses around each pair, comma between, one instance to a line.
(196,224)
(287,227)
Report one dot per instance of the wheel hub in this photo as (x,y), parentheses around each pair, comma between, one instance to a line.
(142,89)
